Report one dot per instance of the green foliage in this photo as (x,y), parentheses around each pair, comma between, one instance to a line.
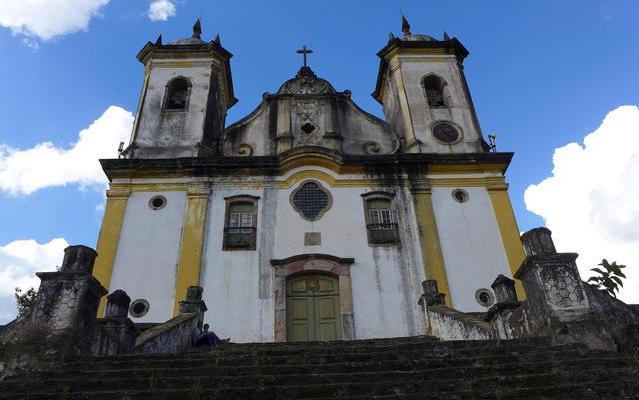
(66,393)
(609,280)
(153,382)
(196,391)
(25,301)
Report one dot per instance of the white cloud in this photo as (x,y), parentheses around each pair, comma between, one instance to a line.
(19,261)
(591,201)
(23,171)
(46,19)
(161,10)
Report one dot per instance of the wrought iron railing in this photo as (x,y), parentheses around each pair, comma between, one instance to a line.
(239,237)
(382,233)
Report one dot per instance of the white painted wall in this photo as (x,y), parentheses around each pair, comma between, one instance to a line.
(471,244)
(231,279)
(148,251)
(386,281)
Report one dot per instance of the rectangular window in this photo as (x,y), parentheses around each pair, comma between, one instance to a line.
(239,230)
(380,226)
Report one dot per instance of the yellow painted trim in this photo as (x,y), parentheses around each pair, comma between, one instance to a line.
(465,168)
(190,262)
(180,64)
(509,233)
(159,187)
(432,256)
(427,60)
(324,177)
(398,51)
(318,160)
(488,182)
(109,238)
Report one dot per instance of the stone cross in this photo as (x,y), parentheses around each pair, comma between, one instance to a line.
(304,51)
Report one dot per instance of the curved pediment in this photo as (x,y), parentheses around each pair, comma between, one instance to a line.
(307,111)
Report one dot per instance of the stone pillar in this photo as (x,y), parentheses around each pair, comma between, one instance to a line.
(116,333)
(117,304)
(557,303)
(551,279)
(505,302)
(68,300)
(431,295)
(193,302)
(504,289)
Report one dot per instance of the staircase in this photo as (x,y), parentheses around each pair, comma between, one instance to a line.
(400,368)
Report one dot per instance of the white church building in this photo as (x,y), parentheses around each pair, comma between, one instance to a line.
(310,218)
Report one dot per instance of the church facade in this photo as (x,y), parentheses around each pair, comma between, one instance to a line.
(309,219)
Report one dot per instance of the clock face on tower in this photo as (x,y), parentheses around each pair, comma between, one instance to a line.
(445,132)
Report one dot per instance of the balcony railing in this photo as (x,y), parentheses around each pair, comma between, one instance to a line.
(382,233)
(237,238)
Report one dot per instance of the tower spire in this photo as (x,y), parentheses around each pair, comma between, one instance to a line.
(197,29)
(405,26)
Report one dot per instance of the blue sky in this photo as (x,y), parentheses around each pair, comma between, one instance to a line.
(542,75)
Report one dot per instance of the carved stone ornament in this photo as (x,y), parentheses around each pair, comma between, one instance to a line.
(306,82)
(244,150)
(371,147)
(561,285)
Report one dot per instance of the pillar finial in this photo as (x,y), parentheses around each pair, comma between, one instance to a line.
(197,29)
(405,26)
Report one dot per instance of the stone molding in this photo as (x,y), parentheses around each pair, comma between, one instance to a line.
(318,263)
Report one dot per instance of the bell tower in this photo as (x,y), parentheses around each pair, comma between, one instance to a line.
(423,90)
(187,91)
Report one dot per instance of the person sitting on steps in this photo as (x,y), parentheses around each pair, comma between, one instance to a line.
(203,337)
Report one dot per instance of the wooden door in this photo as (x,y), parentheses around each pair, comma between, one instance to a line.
(313,309)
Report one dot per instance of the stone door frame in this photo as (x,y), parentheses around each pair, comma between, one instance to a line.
(313,263)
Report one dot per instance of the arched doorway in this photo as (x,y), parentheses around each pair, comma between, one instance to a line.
(313,308)
(287,270)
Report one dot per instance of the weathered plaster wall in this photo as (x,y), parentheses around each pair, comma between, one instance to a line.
(148,251)
(173,133)
(458,109)
(353,130)
(471,244)
(238,285)
(446,323)
(231,279)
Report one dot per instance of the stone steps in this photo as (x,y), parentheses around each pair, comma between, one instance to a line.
(399,368)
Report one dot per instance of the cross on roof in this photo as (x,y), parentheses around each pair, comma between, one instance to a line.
(304,51)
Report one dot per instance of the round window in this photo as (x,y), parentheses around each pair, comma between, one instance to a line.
(484,297)
(139,308)
(445,132)
(460,195)
(157,202)
(311,201)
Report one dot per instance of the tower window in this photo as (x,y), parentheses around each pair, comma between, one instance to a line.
(241,223)
(434,87)
(380,224)
(177,94)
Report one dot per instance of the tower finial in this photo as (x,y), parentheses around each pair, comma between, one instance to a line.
(197,29)
(405,26)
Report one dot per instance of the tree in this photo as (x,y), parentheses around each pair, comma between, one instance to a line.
(25,301)
(610,279)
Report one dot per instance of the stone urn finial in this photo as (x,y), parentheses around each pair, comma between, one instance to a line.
(117,304)
(78,258)
(538,242)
